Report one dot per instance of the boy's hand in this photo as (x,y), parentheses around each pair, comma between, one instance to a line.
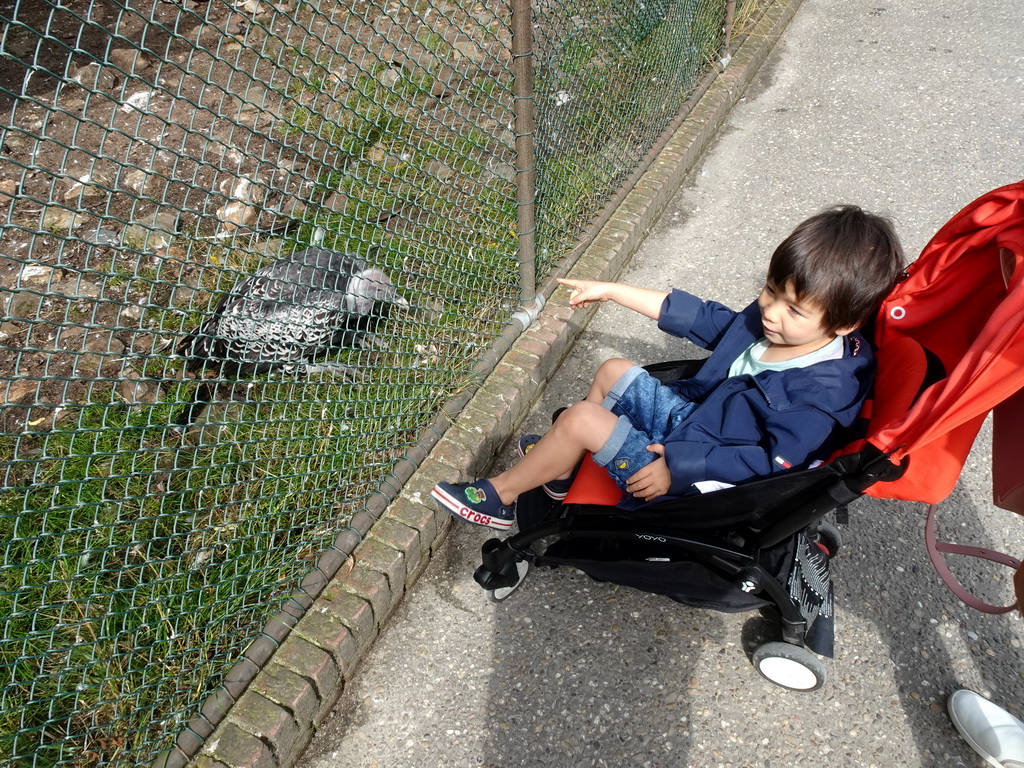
(653,480)
(643,300)
(585,292)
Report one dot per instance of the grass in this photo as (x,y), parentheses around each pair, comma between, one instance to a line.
(605,92)
(133,558)
(136,564)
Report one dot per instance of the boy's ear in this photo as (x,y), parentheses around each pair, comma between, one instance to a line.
(845,331)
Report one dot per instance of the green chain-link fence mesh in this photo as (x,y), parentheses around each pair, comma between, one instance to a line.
(156,507)
(610,77)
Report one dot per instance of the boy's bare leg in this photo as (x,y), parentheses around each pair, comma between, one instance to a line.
(606,377)
(582,427)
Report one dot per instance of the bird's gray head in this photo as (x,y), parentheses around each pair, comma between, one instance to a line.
(373,293)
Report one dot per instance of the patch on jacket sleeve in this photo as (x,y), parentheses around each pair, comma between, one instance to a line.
(782,462)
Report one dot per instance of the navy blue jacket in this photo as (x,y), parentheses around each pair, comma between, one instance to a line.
(752,426)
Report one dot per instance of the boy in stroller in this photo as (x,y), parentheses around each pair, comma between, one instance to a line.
(784,375)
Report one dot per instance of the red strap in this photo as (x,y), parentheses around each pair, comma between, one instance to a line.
(935,548)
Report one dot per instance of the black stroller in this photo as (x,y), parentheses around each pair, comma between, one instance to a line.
(765,543)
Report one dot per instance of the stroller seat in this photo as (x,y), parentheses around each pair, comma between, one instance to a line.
(950,349)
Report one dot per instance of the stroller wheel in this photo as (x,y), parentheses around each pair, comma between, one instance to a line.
(829,537)
(790,666)
(499,594)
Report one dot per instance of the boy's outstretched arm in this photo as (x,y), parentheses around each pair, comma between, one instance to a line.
(646,301)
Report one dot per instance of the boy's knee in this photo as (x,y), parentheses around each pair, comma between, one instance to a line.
(577,417)
(615,366)
(574,414)
(585,424)
(608,373)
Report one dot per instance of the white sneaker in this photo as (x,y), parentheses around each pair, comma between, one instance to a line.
(991,731)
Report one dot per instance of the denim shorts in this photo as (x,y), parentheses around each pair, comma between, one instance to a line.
(648,411)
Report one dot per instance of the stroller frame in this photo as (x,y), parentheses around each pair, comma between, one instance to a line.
(741,557)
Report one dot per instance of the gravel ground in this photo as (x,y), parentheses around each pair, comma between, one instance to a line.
(907,107)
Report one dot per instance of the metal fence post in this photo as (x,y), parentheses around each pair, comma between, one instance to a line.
(730,15)
(526,172)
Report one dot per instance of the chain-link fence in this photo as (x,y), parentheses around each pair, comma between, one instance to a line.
(248,252)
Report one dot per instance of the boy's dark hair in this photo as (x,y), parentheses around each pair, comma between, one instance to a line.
(844,259)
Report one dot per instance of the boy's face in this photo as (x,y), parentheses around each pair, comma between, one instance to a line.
(791,325)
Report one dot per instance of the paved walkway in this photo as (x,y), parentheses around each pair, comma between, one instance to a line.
(906,107)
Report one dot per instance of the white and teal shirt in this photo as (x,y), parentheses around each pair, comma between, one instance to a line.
(750,361)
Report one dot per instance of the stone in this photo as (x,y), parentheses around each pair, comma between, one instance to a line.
(95,77)
(154,232)
(102,236)
(8,191)
(19,389)
(139,181)
(87,189)
(138,391)
(241,210)
(130,60)
(37,275)
(24,305)
(61,220)
(337,202)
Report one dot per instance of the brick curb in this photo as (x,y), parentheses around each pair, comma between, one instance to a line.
(271,722)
